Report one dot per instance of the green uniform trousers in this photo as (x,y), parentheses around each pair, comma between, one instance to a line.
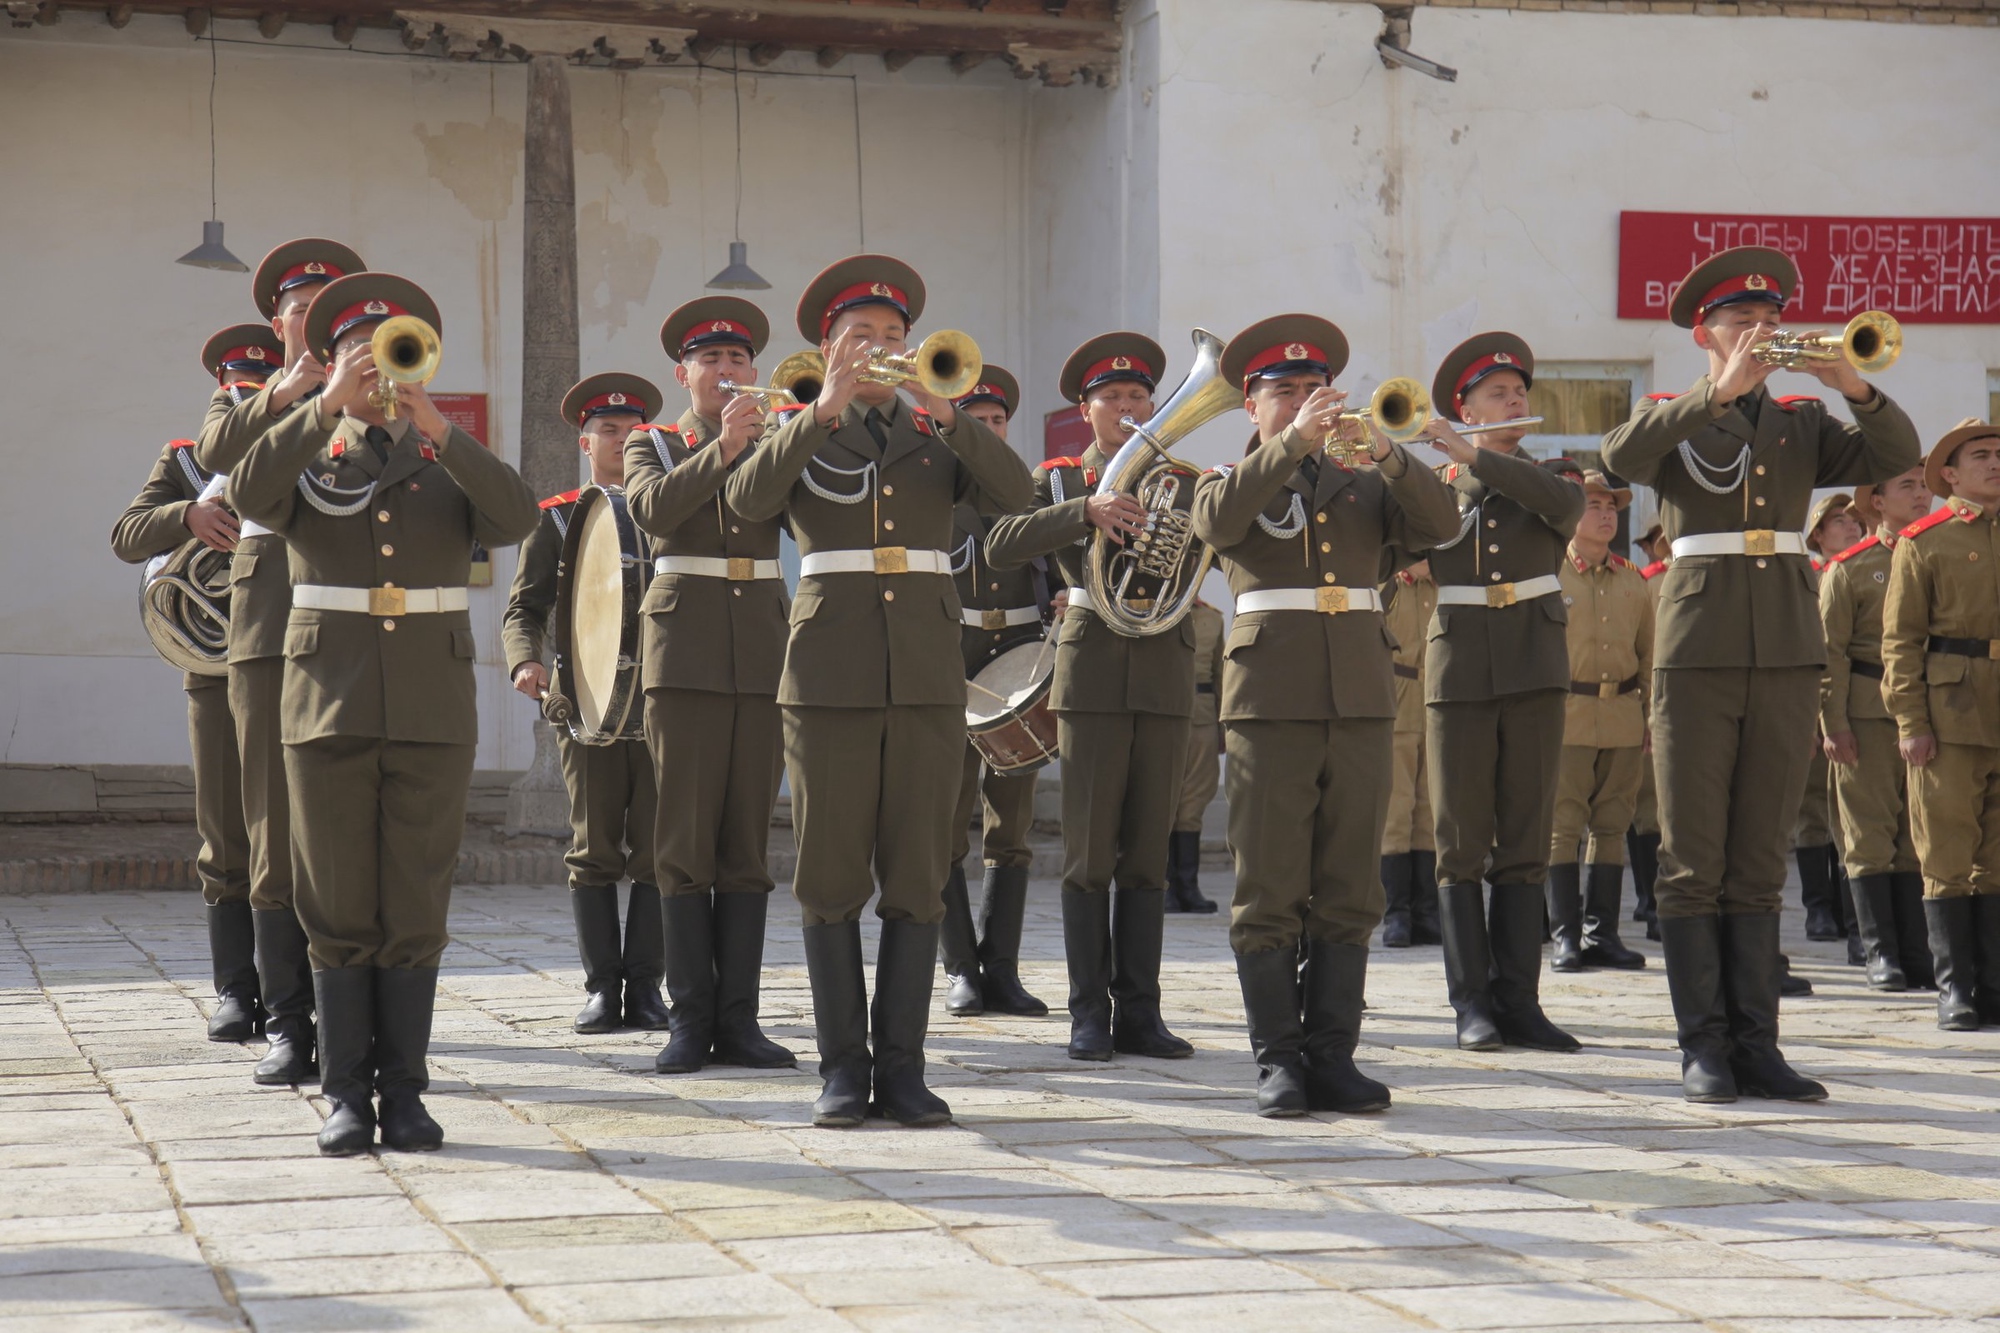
(1814,827)
(1955,820)
(1646,815)
(1008,801)
(1121,773)
(223,864)
(873,790)
(375,832)
(1410,825)
(1201,777)
(255,688)
(1493,785)
(716,761)
(1597,792)
(611,807)
(1872,805)
(1730,751)
(1306,806)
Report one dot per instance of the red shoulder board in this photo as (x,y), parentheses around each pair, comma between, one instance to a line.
(922,421)
(1452,471)
(557,501)
(1791,400)
(1661,397)
(1089,474)
(1943,514)
(180,444)
(1654,570)
(1864,544)
(255,386)
(1620,562)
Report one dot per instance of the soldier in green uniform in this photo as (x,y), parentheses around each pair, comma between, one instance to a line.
(1496,673)
(1002,608)
(1738,653)
(380,723)
(260,605)
(872,694)
(1941,680)
(1831,528)
(1409,838)
(714,642)
(1203,774)
(1122,706)
(1309,702)
(612,797)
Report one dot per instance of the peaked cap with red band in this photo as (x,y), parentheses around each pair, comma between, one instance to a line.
(708,320)
(1747,273)
(1285,345)
(246,349)
(363,298)
(611,391)
(856,281)
(1109,358)
(1472,361)
(995,386)
(1935,462)
(296,263)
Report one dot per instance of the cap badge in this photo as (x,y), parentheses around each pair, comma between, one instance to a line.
(254,353)
(719,326)
(1121,363)
(1295,351)
(315,267)
(1502,359)
(1757,282)
(616,400)
(878,289)
(376,308)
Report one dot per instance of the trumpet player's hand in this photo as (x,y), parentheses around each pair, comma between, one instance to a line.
(1449,442)
(300,378)
(1117,516)
(350,379)
(1319,415)
(742,423)
(212,524)
(413,402)
(1742,372)
(845,360)
(532,679)
(940,409)
(1838,375)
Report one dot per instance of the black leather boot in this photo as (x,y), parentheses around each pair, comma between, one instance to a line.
(345,1000)
(1335,980)
(1954,935)
(1184,875)
(1816,891)
(284,977)
(1913,935)
(905,969)
(1566,917)
(1001,908)
(1643,851)
(739,969)
(1513,933)
(232,951)
(404,999)
(1270,982)
(1789,982)
(1605,884)
(840,1023)
(1875,910)
(1398,870)
(645,960)
(688,937)
(1137,925)
(595,907)
(1692,946)
(1751,968)
(1986,923)
(1424,927)
(1850,925)
(1468,964)
(958,948)
(1087,947)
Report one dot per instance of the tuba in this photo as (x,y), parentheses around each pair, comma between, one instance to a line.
(184,603)
(1146,585)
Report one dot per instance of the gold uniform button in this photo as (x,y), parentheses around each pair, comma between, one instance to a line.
(1762,563)
(1494,547)
(994,586)
(1329,578)
(388,549)
(1496,576)
(888,490)
(1972,555)
(389,624)
(1492,522)
(737,591)
(889,524)
(1326,546)
(1760,469)
(889,596)
(1760,502)
(381,516)
(1321,518)
(734,528)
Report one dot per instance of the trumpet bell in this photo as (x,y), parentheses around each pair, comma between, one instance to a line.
(802,374)
(406,351)
(946,365)
(1871,342)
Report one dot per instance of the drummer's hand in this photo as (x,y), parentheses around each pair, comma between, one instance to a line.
(532,679)
(214,525)
(742,421)
(1058,603)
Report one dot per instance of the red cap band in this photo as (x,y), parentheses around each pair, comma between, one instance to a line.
(863,293)
(1497,361)
(983,391)
(313,270)
(1272,356)
(354,314)
(716,330)
(1765,288)
(1116,365)
(261,355)
(611,402)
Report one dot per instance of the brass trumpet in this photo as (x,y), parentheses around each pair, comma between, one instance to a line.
(1871,342)
(945,365)
(771,396)
(406,351)
(803,374)
(1400,408)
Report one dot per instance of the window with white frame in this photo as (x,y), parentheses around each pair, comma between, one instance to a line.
(1579,401)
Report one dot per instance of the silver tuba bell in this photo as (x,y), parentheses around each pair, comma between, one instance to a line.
(184,606)
(1146,585)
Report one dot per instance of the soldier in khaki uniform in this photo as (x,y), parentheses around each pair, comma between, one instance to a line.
(260,605)
(1203,774)
(380,718)
(714,643)
(1409,838)
(1831,528)
(1604,735)
(1738,653)
(1941,680)
(872,693)
(1496,674)
(1122,706)
(1309,702)
(1868,774)
(1003,608)
(611,790)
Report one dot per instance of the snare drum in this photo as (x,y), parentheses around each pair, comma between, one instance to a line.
(1007,714)
(599,585)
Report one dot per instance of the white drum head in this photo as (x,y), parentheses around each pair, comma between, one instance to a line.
(597,614)
(1009,682)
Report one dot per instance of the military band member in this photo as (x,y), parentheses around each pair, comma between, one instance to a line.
(1941,680)
(1496,676)
(1831,528)
(1409,839)
(380,724)
(1642,840)
(1308,699)
(260,605)
(1122,706)
(872,694)
(1604,734)
(612,797)
(713,648)
(1003,608)
(1203,774)
(1738,653)
(1869,787)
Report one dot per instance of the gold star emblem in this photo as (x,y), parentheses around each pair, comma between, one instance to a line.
(1121,363)
(879,289)
(1757,282)
(315,267)
(1295,352)
(376,308)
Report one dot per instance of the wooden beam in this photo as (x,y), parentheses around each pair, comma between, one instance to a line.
(829,56)
(701,48)
(118,15)
(763,53)
(196,21)
(895,60)
(271,23)
(48,14)
(963,62)
(344,27)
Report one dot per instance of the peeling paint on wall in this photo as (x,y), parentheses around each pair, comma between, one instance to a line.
(615,266)
(477,163)
(627,136)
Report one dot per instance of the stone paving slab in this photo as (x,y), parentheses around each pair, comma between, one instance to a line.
(145,1183)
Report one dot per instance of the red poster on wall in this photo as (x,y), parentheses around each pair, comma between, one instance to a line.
(1921,270)
(467,411)
(1065,434)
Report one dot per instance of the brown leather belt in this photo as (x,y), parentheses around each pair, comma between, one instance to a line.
(1966,647)
(1872,670)
(1406,672)
(1605,689)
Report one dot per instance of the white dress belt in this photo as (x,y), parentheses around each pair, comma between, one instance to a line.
(876,560)
(1758,541)
(1007,619)
(1080,598)
(737,569)
(1497,594)
(1331,601)
(379,601)
(250,527)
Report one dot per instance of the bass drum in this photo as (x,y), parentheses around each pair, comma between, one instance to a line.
(1007,714)
(599,585)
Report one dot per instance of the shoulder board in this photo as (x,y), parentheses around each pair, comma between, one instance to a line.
(1791,401)
(922,421)
(180,444)
(558,501)
(1654,570)
(1817,563)
(1223,469)
(1062,462)
(1943,514)
(1866,543)
(254,386)
(1452,471)
(1661,397)
(1620,562)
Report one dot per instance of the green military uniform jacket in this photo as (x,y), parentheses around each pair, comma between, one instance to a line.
(987,592)
(1610,653)
(1749,611)
(531,602)
(1208,643)
(866,640)
(1853,590)
(1274,529)
(1407,607)
(260,578)
(1944,582)
(1515,520)
(1098,670)
(156,521)
(414,520)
